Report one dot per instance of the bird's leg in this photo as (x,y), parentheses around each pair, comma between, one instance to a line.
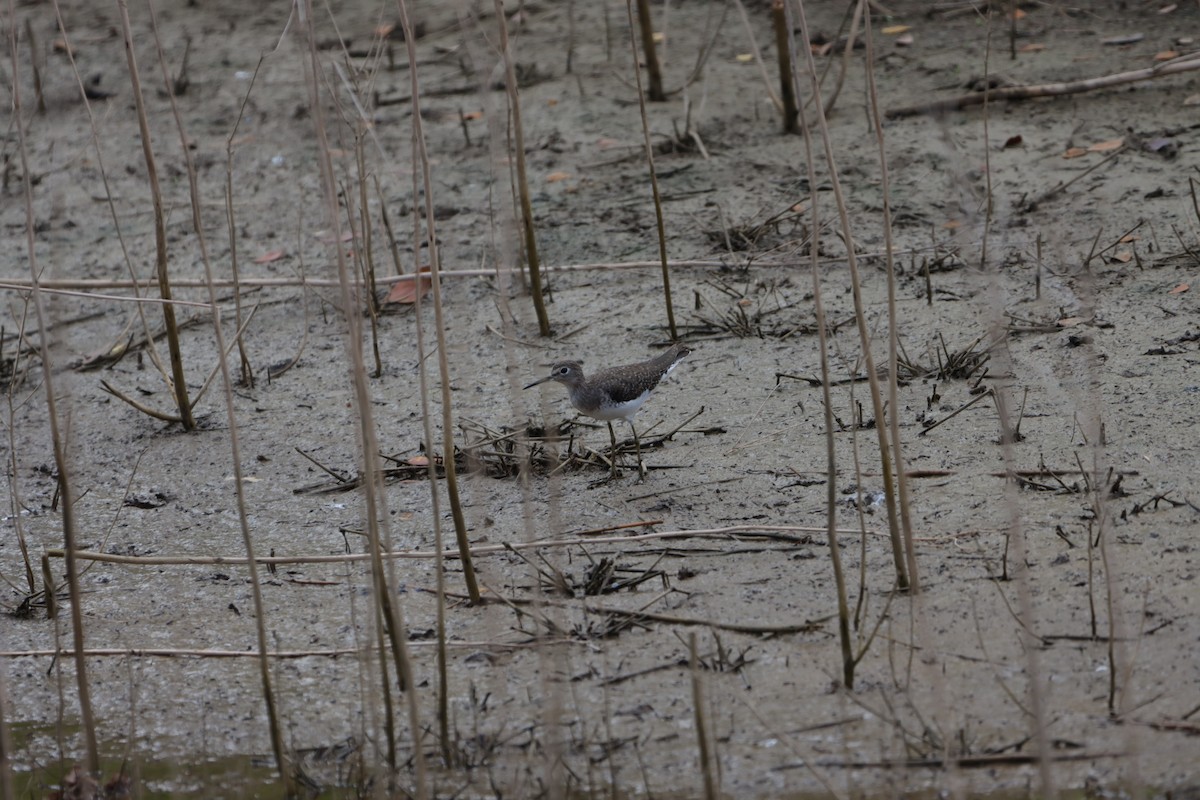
(637,444)
(612,454)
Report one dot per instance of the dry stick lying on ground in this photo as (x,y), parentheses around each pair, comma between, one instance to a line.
(1185,63)
(189,652)
(775,532)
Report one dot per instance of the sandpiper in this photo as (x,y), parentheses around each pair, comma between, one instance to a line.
(616,392)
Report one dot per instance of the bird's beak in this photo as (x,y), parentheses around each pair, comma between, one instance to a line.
(535,383)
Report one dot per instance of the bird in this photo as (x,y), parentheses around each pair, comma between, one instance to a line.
(616,392)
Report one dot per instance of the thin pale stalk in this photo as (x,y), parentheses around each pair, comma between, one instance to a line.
(514,102)
(260,619)
(699,718)
(57,437)
(658,212)
(787,80)
(368,254)
(893,316)
(653,70)
(178,378)
(860,314)
(831,504)
(387,605)
(243,356)
(8,787)
(456,512)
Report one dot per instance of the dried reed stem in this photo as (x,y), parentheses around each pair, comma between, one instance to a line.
(518,131)
(57,437)
(653,70)
(178,378)
(831,531)
(386,605)
(787,80)
(699,718)
(244,358)
(860,315)
(260,623)
(658,212)
(7,785)
(893,316)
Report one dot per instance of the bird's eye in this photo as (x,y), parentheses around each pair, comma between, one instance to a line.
(564,370)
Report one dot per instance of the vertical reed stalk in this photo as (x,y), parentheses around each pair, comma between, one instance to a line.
(33,65)
(58,441)
(7,785)
(860,315)
(514,104)
(658,212)
(260,619)
(653,70)
(700,720)
(69,50)
(831,536)
(243,356)
(893,315)
(368,255)
(387,605)
(787,80)
(421,155)
(178,378)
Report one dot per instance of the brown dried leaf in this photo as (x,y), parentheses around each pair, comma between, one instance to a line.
(409,291)
(555,177)
(1106,147)
(1166,55)
(269,256)
(1180,289)
(1074,152)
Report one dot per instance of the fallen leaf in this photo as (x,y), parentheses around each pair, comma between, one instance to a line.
(658,37)
(1167,9)
(473,115)
(1106,147)
(409,291)
(1069,322)
(418,461)
(1124,257)
(1192,100)
(1131,38)
(1074,152)
(1180,289)
(1013,141)
(743,58)
(552,102)
(1129,237)
(904,40)
(952,225)
(1032,47)
(1017,14)
(384,31)
(267,258)
(604,143)
(1166,55)
(892,30)
(555,177)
